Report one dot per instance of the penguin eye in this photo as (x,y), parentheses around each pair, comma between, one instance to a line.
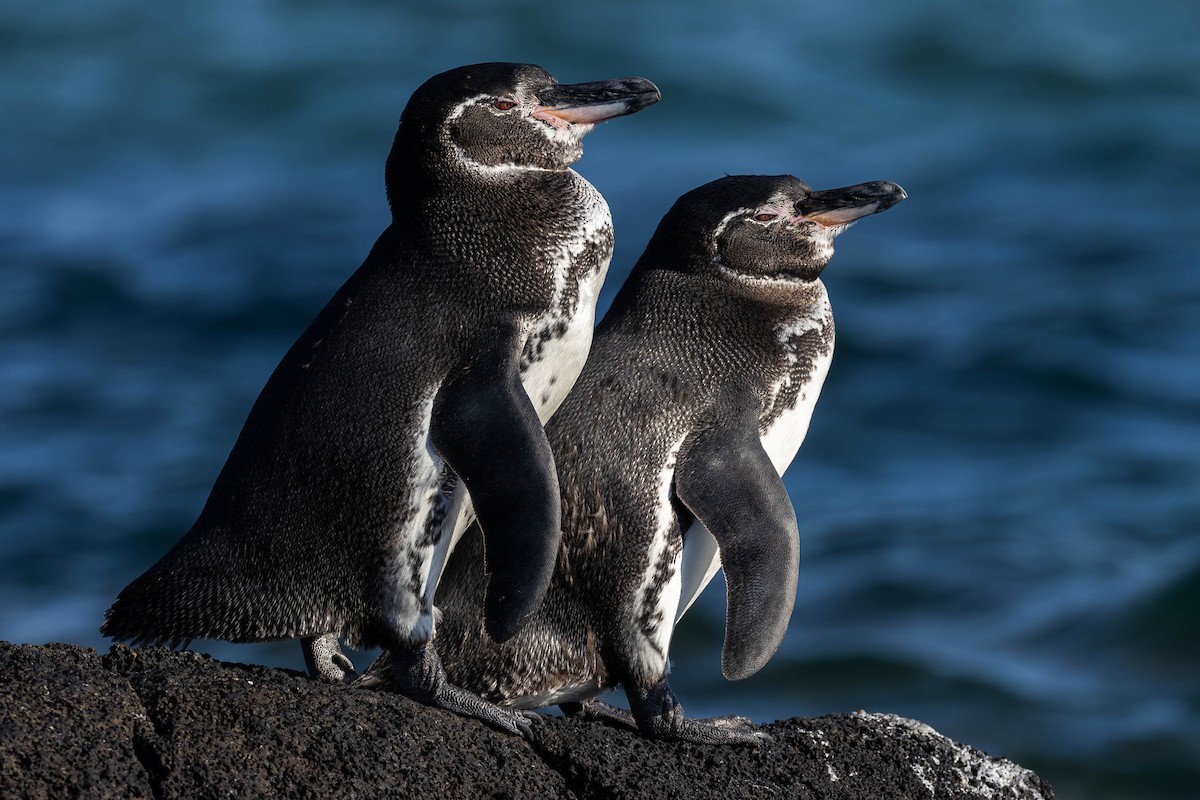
(764,217)
(504,104)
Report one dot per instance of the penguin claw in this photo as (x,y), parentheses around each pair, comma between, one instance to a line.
(348,673)
(523,725)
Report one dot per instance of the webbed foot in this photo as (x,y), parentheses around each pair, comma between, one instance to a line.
(325,660)
(660,716)
(419,675)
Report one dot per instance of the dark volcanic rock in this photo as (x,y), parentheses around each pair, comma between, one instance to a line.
(158,724)
(68,726)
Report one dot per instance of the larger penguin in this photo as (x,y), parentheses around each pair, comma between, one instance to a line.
(695,398)
(335,509)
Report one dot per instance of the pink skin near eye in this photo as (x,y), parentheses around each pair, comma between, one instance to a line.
(551,119)
(797,219)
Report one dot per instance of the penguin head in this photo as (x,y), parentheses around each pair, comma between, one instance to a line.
(499,118)
(765,230)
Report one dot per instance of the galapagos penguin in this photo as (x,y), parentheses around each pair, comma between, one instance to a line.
(408,399)
(694,399)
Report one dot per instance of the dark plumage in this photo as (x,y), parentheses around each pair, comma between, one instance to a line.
(694,399)
(335,508)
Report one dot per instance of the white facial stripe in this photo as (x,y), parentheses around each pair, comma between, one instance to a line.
(458,110)
(760,280)
(728,218)
(495,170)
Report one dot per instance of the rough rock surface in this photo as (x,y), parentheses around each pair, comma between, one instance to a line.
(158,724)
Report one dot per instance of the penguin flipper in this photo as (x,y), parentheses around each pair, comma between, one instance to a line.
(725,477)
(487,430)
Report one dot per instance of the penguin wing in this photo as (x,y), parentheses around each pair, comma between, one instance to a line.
(485,427)
(725,477)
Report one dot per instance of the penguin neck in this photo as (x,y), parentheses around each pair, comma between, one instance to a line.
(700,294)
(470,192)
(698,315)
(475,232)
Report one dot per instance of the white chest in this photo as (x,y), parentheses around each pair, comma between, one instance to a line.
(807,342)
(560,339)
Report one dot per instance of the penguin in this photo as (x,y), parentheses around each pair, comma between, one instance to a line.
(695,397)
(413,400)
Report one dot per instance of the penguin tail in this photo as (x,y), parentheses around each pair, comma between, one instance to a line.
(123,624)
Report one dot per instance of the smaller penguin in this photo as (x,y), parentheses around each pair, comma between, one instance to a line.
(694,399)
(406,405)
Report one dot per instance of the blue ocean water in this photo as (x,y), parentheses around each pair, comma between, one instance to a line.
(998,496)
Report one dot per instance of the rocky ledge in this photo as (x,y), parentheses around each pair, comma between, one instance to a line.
(159,724)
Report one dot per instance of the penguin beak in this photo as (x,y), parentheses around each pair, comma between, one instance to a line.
(589,103)
(836,207)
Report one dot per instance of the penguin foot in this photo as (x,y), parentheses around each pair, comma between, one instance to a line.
(419,675)
(732,722)
(325,660)
(659,716)
(602,712)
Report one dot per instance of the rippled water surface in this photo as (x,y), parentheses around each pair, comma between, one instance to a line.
(998,497)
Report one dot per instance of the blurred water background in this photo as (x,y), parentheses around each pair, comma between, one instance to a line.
(998,497)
